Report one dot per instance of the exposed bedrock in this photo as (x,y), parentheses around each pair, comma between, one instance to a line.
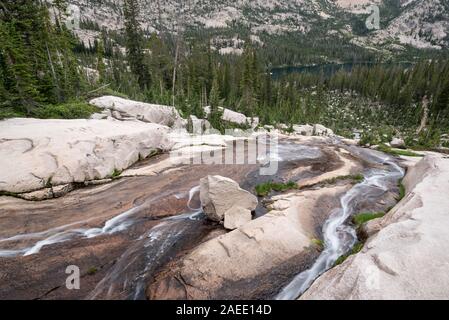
(407,256)
(255,259)
(37,154)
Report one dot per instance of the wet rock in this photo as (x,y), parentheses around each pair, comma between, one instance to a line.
(236,217)
(219,194)
(408,257)
(248,262)
(152,113)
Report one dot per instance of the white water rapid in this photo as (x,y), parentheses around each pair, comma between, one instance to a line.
(339,236)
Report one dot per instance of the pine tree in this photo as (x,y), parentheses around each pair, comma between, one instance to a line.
(16,23)
(101,68)
(214,97)
(134,43)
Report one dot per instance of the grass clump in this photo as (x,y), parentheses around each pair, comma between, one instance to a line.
(363,218)
(356,178)
(116,173)
(264,189)
(356,249)
(402,191)
(92,271)
(318,243)
(398,152)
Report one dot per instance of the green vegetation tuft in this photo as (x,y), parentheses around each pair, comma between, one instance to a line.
(363,218)
(318,243)
(356,249)
(71,110)
(402,191)
(356,178)
(398,152)
(92,271)
(116,174)
(264,189)
(6,113)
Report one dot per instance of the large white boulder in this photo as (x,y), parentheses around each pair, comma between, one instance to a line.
(197,126)
(320,130)
(409,256)
(304,130)
(397,143)
(37,154)
(219,194)
(236,117)
(146,112)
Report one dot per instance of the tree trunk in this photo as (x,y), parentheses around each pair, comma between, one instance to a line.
(425,109)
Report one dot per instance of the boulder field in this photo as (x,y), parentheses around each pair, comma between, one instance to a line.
(406,256)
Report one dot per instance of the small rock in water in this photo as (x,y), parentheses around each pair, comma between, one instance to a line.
(236,217)
(219,194)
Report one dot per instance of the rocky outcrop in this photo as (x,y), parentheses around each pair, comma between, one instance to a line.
(124,109)
(407,257)
(236,217)
(37,154)
(219,194)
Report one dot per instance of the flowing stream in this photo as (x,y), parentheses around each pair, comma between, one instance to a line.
(129,276)
(134,268)
(339,236)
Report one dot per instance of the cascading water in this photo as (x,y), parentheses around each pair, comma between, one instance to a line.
(70,231)
(339,237)
(128,277)
(132,271)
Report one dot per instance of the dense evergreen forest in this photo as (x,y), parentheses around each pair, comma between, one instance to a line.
(46,72)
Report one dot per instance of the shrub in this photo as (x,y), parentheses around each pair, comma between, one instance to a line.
(71,110)
(264,189)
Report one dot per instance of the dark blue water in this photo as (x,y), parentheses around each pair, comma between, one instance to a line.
(327,69)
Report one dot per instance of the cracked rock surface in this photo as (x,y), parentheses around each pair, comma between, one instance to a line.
(36,154)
